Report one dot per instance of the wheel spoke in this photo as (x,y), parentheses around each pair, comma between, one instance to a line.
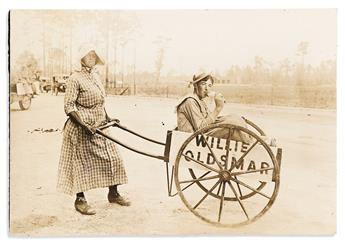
(243,155)
(227,146)
(209,147)
(221,202)
(238,199)
(208,193)
(220,186)
(238,187)
(208,172)
(200,163)
(251,171)
(249,187)
(201,179)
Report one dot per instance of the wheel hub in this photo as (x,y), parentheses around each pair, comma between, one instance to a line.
(225,175)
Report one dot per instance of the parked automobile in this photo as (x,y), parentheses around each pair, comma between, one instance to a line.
(46,85)
(22,93)
(59,84)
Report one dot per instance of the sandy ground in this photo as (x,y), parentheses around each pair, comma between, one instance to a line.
(306,203)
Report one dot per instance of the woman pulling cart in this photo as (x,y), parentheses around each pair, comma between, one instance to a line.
(88,161)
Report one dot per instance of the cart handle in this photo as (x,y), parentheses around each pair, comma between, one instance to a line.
(109,124)
(116,124)
(98,131)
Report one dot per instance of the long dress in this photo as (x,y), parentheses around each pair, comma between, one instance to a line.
(87,161)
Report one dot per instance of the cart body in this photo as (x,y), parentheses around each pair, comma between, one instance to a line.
(223,181)
(22,93)
(256,159)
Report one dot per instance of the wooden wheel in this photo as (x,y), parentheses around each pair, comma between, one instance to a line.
(25,103)
(229,182)
(261,184)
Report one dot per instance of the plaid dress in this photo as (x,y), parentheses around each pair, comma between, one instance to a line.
(87,161)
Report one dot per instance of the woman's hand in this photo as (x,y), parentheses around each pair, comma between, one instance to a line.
(76,119)
(89,129)
(109,119)
(113,119)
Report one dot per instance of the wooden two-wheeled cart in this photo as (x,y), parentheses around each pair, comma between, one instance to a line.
(223,181)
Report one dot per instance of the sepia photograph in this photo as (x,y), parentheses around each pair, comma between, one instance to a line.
(186,122)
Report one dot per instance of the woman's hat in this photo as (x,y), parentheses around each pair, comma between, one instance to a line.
(82,51)
(202,77)
(85,49)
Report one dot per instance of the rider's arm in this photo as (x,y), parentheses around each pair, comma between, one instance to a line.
(193,114)
(215,113)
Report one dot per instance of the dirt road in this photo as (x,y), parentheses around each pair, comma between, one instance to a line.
(306,203)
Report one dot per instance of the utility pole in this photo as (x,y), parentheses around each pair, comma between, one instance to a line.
(70,49)
(44,47)
(107,50)
(134,66)
(123,44)
(115,61)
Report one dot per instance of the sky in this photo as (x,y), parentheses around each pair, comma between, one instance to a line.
(209,40)
(217,39)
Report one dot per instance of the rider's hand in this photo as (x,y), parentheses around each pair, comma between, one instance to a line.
(219,100)
(220,119)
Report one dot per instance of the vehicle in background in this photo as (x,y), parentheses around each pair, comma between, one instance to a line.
(59,84)
(46,85)
(21,92)
(36,87)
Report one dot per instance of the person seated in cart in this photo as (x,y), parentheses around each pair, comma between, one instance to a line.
(194,114)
